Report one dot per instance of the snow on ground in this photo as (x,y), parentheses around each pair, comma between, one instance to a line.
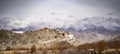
(17,31)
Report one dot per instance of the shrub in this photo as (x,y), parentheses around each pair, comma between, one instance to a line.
(8,48)
(33,49)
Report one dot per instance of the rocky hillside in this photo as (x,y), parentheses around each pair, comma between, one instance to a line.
(117,38)
(41,38)
(8,38)
(89,37)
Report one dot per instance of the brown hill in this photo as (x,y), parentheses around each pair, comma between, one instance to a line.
(41,38)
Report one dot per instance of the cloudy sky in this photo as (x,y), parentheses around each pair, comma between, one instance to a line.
(58,8)
(50,11)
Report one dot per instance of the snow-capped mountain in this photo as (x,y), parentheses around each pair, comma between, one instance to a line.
(9,23)
(107,23)
(96,24)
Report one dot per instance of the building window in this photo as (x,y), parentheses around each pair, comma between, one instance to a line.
(55,36)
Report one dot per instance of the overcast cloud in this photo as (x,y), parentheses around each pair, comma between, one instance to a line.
(41,8)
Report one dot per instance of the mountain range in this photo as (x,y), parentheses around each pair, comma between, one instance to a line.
(85,30)
(94,24)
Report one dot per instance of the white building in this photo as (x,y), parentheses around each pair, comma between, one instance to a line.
(70,36)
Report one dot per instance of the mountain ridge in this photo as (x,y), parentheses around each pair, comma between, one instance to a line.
(109,23)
